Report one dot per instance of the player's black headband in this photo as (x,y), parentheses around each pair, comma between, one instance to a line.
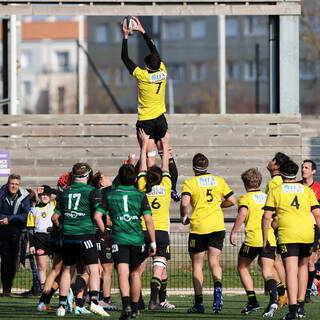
(201,169)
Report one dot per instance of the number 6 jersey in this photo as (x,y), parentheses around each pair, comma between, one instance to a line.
(293,203)
(159,200)
(206,192)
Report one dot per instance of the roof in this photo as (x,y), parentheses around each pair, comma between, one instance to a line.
(56,30)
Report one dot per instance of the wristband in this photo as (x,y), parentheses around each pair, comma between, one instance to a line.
(184,219)
(153,245)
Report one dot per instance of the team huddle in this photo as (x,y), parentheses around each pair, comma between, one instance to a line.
(94,224)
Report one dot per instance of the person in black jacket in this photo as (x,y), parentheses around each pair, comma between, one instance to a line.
(14,209)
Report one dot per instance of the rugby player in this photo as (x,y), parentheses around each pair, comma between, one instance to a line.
(156,183)
(292,203)
(276,180)
(250,211)
(207,232)
(308,170)
(77,205)
(125,205)
(151,83)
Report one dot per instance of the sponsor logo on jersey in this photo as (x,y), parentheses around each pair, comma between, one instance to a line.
(128,218)
(292,188)
(74,214)
(207,181)
(260,198)
(157,191)
(159,76)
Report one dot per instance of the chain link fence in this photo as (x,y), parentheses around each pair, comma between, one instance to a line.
(178,269)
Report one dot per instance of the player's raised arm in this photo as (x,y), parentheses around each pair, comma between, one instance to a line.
(124,50)
(146,37)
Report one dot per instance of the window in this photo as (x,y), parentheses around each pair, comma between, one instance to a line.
(231,27)
(102,33)
(63,62)
(61,93)
(173,30)
(250,73)
(176,72)
(117,34)
(307,70)
(255,26)
(198,29)
(198,72)
(232,71)
(26,59)
(27,87)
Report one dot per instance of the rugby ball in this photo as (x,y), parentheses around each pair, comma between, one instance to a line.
(130,24)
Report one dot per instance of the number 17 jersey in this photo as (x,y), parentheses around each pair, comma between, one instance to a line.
(206,192)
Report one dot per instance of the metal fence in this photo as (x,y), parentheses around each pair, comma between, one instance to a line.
(178,268)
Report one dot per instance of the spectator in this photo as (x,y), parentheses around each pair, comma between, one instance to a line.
(14,209)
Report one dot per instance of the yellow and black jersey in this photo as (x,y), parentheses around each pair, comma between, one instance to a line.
(40,217)
(292,203)
(274,182)
(255,201)
(151,87)
(159,200)
(206,192)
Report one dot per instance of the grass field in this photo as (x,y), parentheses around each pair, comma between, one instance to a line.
(25,308)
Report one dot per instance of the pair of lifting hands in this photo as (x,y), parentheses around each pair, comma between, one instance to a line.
(126,32)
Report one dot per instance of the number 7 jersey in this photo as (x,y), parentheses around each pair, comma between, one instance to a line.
(293,203)
(152,92)
(206,192)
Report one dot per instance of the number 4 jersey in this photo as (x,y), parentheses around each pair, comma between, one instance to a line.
(77,205)
(293,203)
(206,193)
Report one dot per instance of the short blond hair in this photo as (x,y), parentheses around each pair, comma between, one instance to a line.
(251,178)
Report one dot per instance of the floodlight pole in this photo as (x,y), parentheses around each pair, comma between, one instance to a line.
(81,65)
(222,63)
(13,65)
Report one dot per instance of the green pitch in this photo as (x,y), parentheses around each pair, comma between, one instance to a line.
(25,308)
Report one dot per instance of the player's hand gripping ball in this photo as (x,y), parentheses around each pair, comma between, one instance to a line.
(131,24)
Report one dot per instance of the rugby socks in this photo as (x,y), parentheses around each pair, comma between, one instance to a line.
(163,290)
(79,302)
(141,305)
(106,299)
(46,297)
(173,173)
(125,302)
(293,308)
(78,285)
(134,307)
(252,299)
(311,275)
(62,301)
(94,296)
(198,299)
(271,285)
(155,286)
(281,289)
(300,303)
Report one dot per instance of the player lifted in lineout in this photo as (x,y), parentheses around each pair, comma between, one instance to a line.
(151,83)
